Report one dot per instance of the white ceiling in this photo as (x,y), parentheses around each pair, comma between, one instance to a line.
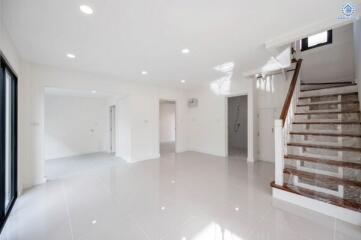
(77,93)
(123,38)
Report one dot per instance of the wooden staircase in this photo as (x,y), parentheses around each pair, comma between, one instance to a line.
(323,159)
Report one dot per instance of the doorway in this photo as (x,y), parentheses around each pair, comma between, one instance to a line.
(238,127)
(8,140)
(167,126)
(112,129)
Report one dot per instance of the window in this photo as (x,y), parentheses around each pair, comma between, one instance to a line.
(316,40)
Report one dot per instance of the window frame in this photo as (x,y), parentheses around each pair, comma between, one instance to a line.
(304,42)
(6,67)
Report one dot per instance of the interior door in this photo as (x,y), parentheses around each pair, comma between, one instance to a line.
(266,134)
(8,140)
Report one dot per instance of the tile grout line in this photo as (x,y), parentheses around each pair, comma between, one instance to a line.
(334,228)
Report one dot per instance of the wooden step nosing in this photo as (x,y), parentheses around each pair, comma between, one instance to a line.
(336,148)
(327,134)
(321,177)
(326,198)
(346,164)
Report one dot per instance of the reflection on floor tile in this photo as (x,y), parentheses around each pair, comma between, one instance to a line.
(167,148)
(187,196)
(65,167)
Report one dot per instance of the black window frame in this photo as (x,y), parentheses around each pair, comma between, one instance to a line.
(5,67)
(304,42)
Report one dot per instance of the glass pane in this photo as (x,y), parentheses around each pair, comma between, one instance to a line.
(317,39)
(8,140)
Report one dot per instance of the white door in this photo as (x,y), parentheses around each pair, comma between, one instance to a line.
(266,146)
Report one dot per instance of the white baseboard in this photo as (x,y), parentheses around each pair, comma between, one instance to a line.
(343,214)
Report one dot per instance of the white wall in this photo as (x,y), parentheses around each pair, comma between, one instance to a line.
(331,63)
(270,94)
(237,114)
(141,107)
(167,121)
(207,123)
(6,45)
(357,47)
(11,54)
(75,126)
(123,129)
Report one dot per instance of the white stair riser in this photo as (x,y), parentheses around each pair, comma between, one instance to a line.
(326,98)
(325,117)
(347,89)
(341,141)
(346,128)
(328,107)
(309,87)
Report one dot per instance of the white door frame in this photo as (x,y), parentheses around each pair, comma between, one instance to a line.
(176,122)
(249,124)
(112,128)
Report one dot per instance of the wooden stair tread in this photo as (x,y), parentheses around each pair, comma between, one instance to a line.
(327,134)
(338,163)
(331,94)
(315,89)
(321,177)
(327,198)
(339,148)
(315,122)
(324,113)
(327,103)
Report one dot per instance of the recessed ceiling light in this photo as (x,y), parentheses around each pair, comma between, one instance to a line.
(162,208)
(183,81)
(144,72)
(94,91)
(86,9)
(94,221)
(70,55)
(185,51)
(236,209)
(173,181)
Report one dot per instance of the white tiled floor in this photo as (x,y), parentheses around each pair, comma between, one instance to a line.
(167,147)
(188,196)
(237,153)
(65,167)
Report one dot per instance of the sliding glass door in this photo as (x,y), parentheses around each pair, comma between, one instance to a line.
(8,140)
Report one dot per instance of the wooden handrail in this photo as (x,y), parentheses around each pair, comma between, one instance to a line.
(286,104)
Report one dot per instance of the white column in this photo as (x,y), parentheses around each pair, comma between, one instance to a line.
(279,151)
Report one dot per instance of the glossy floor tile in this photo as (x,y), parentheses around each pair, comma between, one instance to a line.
(187,196)
(65,167)
(167,147)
